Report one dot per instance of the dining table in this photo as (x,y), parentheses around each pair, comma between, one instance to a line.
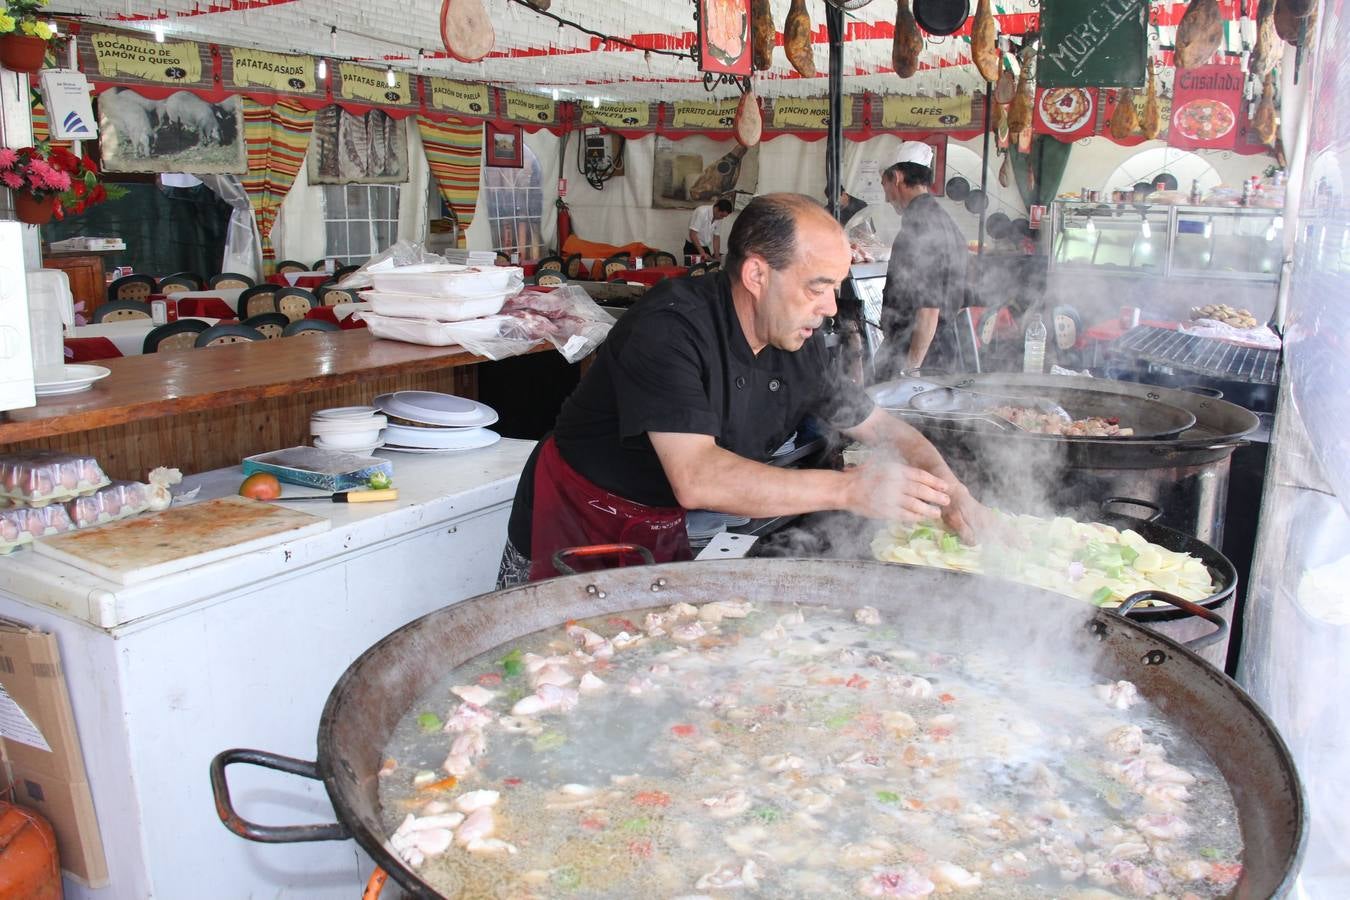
(649,275)
(127,335)
(307,280)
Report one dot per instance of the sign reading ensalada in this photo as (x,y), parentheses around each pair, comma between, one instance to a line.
(178,62)
(696,114)
(361,83)
(462,97)
(275,71)
(808,112)
(528,107)
(904,111)
(618,115)
(1206,107)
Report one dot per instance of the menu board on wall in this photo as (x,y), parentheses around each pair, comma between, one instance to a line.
(461,97)
(275,71)
(174,62)
(808,112)
(1089,44)
(618,115)
(927,113)
(529,108)
(372,85)
(704,115)
(1207,105)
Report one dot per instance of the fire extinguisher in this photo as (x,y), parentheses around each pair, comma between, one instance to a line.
(564,221)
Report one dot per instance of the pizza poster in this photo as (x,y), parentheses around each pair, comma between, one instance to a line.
(1206,104)
(1068,113)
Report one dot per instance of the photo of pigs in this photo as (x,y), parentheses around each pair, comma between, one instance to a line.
(181,133)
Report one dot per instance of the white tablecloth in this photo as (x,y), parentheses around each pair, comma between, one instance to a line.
(128,336)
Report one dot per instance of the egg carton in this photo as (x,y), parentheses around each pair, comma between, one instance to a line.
(44,477)
(23,525)
(119,500)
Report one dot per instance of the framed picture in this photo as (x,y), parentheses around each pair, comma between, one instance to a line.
(347,148)
(939,144)
(696,170)
(180,133)
(724,36)
(503,148)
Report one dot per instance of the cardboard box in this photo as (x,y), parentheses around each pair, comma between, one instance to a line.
(35,711)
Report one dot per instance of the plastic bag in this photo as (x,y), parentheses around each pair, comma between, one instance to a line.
(566,317)
(402,253)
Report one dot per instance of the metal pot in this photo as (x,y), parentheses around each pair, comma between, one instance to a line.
(388,679)
(957,188)
(941,17)
(977,201)
(1149,418)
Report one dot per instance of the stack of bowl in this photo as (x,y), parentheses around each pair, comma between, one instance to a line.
(353,429)
(429,422)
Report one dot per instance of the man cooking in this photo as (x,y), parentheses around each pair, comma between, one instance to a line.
(701,381)
(926,277)
(703,238)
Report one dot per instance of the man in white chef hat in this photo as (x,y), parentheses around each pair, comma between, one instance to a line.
(926,277)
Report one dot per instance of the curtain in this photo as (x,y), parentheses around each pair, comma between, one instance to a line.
(1039,172)
(277,137)
(454,150)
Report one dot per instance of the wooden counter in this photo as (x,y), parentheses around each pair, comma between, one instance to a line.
(208,408)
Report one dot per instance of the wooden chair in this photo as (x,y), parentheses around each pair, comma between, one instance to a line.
(330,294)
(697,269)
(309,328)
(270,325)
(549,263)
(256,300)
(290,265)
(120,310)
(616,263)
(342,272)
(662,258)
(217,335)
(503,258)
(131,287)
(294,303)
(549,278)
(319,266)
(179,282)
(572,266)
(180,335)
(231,280)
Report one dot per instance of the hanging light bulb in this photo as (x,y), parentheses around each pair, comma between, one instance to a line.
(159,33)
(332,39)
(1144,230)
(389,77)
(1209,228)
(323,69)
(421,62)
(595,103)
(1091,228)
(555,95)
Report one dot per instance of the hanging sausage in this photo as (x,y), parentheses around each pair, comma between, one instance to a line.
(908,43)
(1199,34)
(1151,123)
(1291,26)
(762,33)
(797,39)
(1268,47)
(1263,123)
(1124,121)
(749,122)
(984,42)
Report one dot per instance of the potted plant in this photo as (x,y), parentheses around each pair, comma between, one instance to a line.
(51,181)
(23,38)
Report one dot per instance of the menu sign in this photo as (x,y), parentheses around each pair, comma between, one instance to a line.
(274,71)
(809,112)
(928,113)
(618,115)
(1206,104)
(177,62)
(1066,113)
(528,107)
(372,85)
(462,97)
(1092,44)
(703,115)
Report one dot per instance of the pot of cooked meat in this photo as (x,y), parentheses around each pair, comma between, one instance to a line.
(796,728)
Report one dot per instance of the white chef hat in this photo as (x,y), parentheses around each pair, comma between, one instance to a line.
(916,152)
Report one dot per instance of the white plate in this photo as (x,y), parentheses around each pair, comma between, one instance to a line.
(318,442)
(438,438)
(346,412)
(75,378)
(489,438)
(430,408)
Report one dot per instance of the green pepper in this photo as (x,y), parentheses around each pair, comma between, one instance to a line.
(1128,554)
(839,720)
(379,481)
(641,823)
(888,796)
(566,878)
(429,722)
(950,543)
(549,740)
(512,664)
(1211,853)
(921,532)
(766,814)
(1101,595)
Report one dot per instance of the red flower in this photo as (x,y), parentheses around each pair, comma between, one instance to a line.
(98,194)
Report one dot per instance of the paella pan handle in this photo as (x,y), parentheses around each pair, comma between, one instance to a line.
(267,834)
(598,550)
(1219,622)
(1132,501)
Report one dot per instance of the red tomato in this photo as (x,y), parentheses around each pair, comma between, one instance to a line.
(489,679)
(651,798)
(683,731)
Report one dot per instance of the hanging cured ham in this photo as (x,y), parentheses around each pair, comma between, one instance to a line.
(1198,34)
(1268,47)
(466,30)
(1300,7)
(908,43)
(1019,111)
(1291,26)
(984,42)
(749,121)
(762,33)
(1264,121)
(1151,123)
(1124,121)
(797,39)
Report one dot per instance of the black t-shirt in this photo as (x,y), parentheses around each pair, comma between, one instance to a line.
(678,361)
(927,270)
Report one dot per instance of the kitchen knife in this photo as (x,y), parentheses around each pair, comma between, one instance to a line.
(351,496)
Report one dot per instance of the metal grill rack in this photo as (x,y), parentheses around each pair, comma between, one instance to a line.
(1201,355)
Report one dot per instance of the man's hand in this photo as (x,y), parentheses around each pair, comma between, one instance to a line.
(967,516)
(887,490)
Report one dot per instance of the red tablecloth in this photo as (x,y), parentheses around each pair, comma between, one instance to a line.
(90,349)
(328,314)
(309,281)
(649,275)
(1112,329)
(206,307)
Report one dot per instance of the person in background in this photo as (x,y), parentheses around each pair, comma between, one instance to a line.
(926,277)
(849,206)
(696,387)
(703,239)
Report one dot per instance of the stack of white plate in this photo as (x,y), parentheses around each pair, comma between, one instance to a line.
(428,422)
(355,429)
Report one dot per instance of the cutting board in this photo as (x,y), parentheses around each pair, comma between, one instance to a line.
(181,537)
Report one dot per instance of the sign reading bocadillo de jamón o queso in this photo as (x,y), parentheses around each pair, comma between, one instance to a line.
(119,55)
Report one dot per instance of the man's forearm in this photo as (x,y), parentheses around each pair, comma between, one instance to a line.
(925,328)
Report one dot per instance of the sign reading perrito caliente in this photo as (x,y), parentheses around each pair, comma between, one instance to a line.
(704,114)
(928,113)
(528,107)
(274,71)
(618,115)
(1091,44)
(808,112)
(176,62)
(463,97)
(372,85)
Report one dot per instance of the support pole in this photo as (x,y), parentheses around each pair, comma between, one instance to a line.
(834,141)
(984,168)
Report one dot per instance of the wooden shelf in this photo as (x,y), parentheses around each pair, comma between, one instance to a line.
(157,385)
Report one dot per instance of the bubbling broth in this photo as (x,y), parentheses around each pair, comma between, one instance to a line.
(777,751)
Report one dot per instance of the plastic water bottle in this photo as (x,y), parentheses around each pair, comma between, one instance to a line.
(1033,349)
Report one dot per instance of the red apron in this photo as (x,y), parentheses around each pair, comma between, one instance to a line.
(570,511)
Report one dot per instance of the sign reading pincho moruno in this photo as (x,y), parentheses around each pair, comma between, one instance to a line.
(808,112)
(274,71)
(704,114)
(118,54)
(372,85)
(932,113)
(618,115)
(462,97)
(528,107)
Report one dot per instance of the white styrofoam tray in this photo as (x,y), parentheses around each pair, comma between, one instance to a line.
(447,280)
(442,309)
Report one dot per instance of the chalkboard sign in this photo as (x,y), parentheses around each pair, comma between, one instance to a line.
(1093,43)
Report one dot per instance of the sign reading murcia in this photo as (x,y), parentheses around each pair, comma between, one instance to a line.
(178,62)
(934,113)
(618,115)
(274,71)
(704,115)
(361,83)
(528,107)
(808,112)
(460,97)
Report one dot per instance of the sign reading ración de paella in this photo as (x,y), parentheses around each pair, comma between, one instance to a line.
(118,54)
(460,97)
(1206,108)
